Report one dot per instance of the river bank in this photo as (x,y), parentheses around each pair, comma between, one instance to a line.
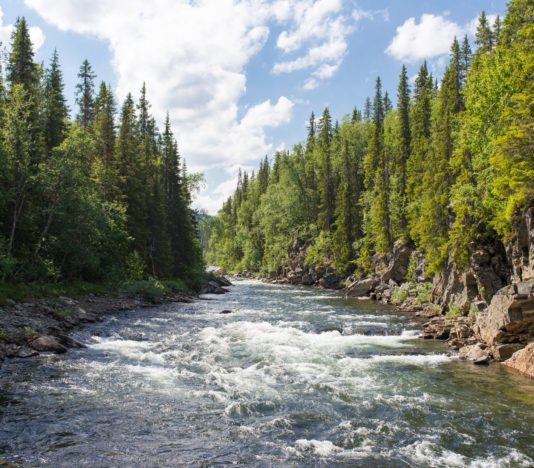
(50,324)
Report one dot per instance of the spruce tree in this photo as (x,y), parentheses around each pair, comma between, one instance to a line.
(403,107)
(55,106)
(85,95)
(326,188)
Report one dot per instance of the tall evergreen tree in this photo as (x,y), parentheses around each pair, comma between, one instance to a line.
(85,95)
(55,105)
(326,187)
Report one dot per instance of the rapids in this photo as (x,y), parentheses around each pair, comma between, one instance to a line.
(293,377)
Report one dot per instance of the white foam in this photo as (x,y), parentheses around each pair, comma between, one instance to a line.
(322,448)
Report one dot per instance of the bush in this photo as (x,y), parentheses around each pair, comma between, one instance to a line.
(424,293)
(454,311)
(400,294)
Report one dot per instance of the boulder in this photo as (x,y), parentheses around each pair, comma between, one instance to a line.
(510,315)
(523,360)
(223,281)
(476,353)
(47,344)
(505,351)
(213,288)
(330,281)
(308,279)
(226,311)
(361,287)
(295,277)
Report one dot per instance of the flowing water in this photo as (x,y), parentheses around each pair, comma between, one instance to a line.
(293,377)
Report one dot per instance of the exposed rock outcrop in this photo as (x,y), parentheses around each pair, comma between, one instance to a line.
(523,360)
(397,266)
(510,316)
(520,248)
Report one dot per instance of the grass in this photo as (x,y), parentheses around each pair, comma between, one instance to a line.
(150,288)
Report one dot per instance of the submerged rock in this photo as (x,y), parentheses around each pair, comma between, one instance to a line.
(523,360)
(226,311)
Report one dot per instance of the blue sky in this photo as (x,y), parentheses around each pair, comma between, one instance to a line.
(241,77)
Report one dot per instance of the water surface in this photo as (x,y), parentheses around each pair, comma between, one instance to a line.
(293,377)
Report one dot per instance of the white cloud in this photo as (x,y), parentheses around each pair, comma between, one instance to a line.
(36,34)
(192,56)
(318,35)
(429,38)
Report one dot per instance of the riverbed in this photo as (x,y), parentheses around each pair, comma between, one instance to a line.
(291,377)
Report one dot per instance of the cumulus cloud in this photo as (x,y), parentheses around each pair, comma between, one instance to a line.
(318,35)
(429,38)
(36,34)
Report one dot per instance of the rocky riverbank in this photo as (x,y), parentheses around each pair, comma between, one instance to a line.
(484,310)
(48,325)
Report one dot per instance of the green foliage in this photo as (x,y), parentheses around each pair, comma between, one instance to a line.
(449,166)
(79,202)
(454,311)
(400,294)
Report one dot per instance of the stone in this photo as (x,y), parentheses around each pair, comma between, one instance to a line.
(46,344)
(523,360)
(505,351)
(361,287)
(473,353)
(308,279)
(10,302)
(331,329)
(330,281)
(398,264)
(509,316)
(520,248)
(226,311)
(295,277)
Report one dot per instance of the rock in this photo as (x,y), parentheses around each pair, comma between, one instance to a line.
(213,288)
(331,329)
(47,343)
(223,281)
(510,315)
(483,360)
(361,287)
(69,342)
(398,263)
(295,277)
(10,302)
(225,311)
(505,351)
(67,301)
(523,360)
(437,328)
(308,279)
(474,353)
(25,352)
(330,281)
(520,248)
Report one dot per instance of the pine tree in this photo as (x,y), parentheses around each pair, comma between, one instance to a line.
(420,144)
(55,109)
(104,128)
(465,60)
(21,68)
(403,106)
(484,35)
(326,188)
(367,109)
(85,95)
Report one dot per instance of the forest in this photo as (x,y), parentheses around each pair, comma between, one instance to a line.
(445,167)
(101,197)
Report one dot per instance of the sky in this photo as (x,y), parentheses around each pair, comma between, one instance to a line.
(240,78)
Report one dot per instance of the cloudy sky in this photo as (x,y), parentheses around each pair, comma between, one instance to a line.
(240,77)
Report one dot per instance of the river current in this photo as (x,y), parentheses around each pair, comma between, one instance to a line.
(292,377)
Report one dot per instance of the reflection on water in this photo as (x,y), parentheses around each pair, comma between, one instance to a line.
(293,376)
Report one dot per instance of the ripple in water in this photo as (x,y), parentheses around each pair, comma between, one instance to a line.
(293,376)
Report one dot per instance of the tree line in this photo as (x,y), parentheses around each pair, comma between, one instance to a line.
(448,166)
(105,196)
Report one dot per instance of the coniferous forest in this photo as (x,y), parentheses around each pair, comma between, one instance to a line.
(448,165)
(101,197)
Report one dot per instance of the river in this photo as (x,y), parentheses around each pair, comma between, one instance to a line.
(274,383)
